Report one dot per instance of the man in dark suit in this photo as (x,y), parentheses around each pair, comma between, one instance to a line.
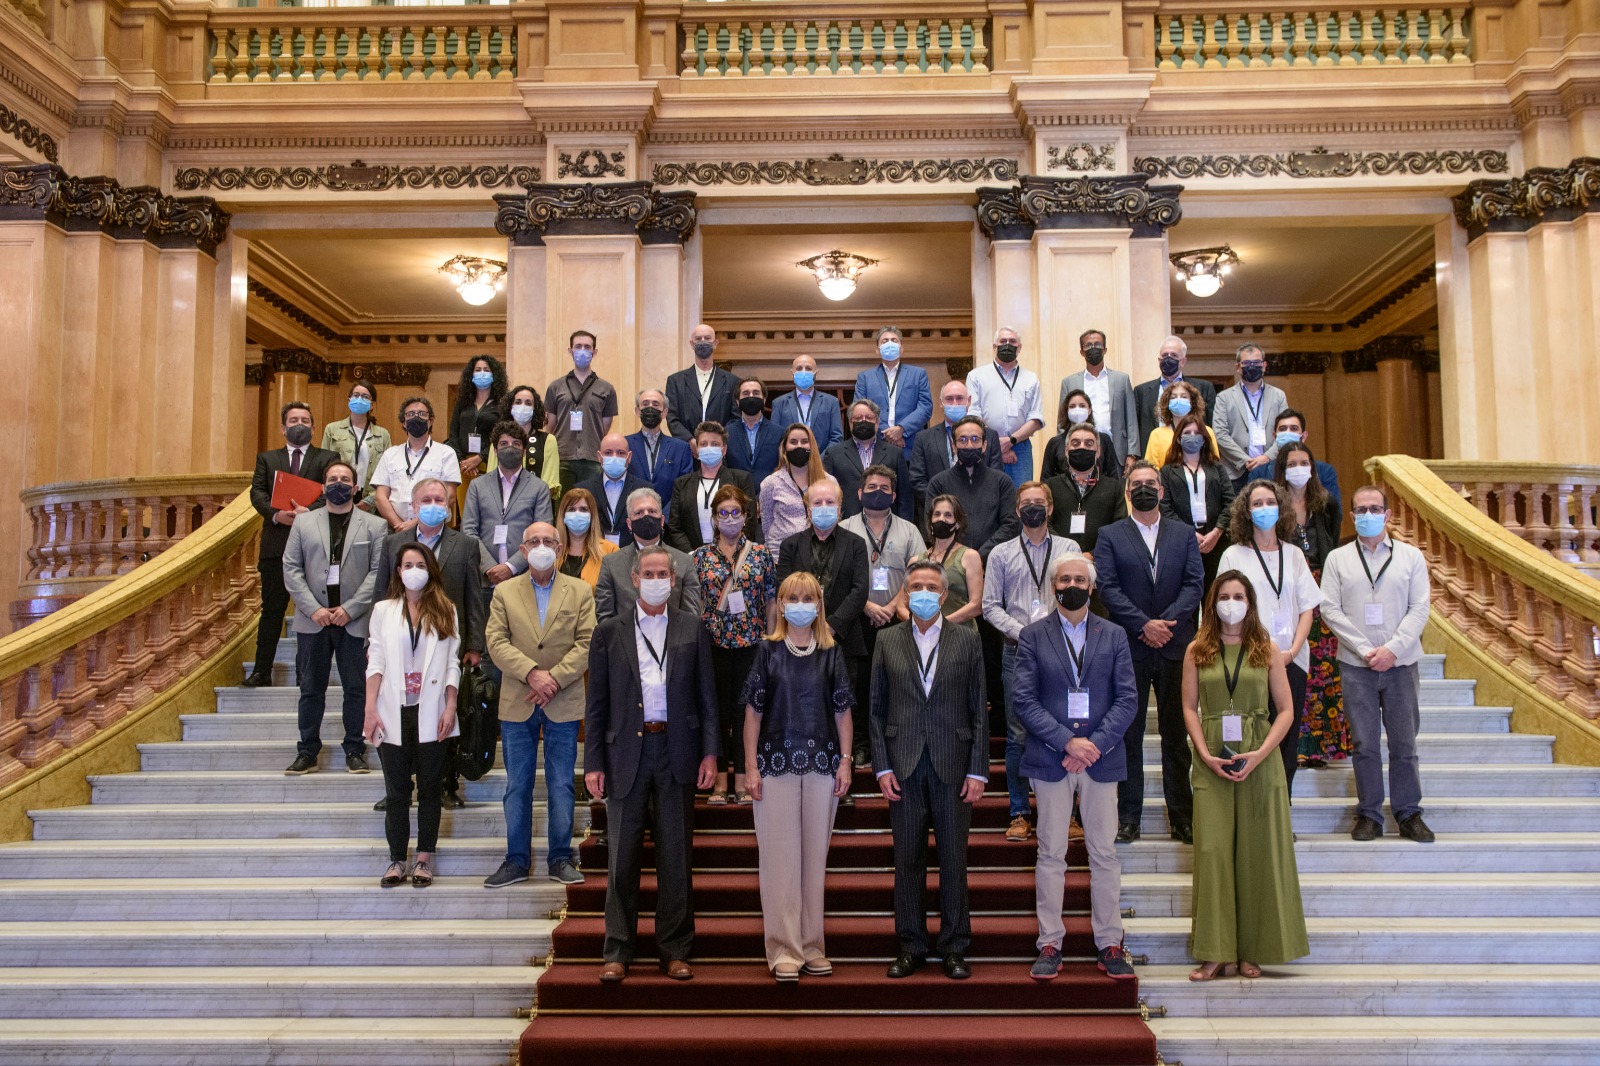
(1174,359)
(655,455)
(651,742)
(1074,694)
(298,457)
(614,593)
(1150,577)
(1084,500)
(613,488)
(930,751)
(689,523)
(753,439)
(703,392)
(933,451)
(847,461)
(808,405)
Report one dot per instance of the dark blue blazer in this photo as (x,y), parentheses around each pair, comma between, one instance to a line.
(674,459)
(769,439)
(1044,677)
(826,424)
(609,523)
(1132,597)
(913,400)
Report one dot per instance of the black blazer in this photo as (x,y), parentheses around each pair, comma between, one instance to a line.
(1055,459)
(1147,394)
(613,720)
(313,466)
(683,401)
(951,723)
(843,464)
(468,420)
(461,557)
(1102,505)
(683,527)
(1219,497)
(845,587)
(1132,596)
(930,455)
(614,523)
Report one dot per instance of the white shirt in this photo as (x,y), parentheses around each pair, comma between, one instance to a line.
(652,676)
(1401,593)
(1151,533)
(400,469)
(927,652)
(1006,409)
(1254,401)
(704,493)
(1098,388)
(1196,480)
(703,383)
(1279,611)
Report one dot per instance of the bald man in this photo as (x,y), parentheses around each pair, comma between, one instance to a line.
(703,392)
(612,487)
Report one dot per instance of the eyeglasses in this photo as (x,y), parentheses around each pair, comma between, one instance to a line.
(730,514)
(1253,362)
(1367,510)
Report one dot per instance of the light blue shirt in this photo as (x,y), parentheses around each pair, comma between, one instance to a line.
(1075,635)
(541,593)
(751,431)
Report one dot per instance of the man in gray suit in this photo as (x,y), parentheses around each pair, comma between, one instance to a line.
(501,506)
(330,570)
(1110,395)
(1246,414)
(615,593)
(930,747)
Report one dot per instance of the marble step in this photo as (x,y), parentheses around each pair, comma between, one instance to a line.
(417,1041)
(486,993)
(1374,941)
(253,821)
(1318,1040)
(269,786)
(1368,991)
(1378,895)
(1463,853)
(1463,814)
(374,942)
(273,899)
(1451,779)
(1432,748)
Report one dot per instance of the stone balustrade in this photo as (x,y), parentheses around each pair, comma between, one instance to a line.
(456,44)
(1549,505)
(799,40)
(1202,37)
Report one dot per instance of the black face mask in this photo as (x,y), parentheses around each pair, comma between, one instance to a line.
(877,499)
(510,458)
(969,457)
(1081,459)
(1006,353)
(703,349)
(1033,515)
(751,405)
(1169,366)
(1072,597)
(1252,374)
(298,434)
(1094,355)
(417,426)
(863,430)
(798,456)
(649,417)
(1144,497)
(338,493)
(645,527)
(941,529)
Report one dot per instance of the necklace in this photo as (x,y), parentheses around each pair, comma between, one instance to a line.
(801,652)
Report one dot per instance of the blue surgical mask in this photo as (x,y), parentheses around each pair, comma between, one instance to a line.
(1191,443)
(1369,525)
(482,378)
(799,614)
(711,456)
(1287,437)
(924,604)
(614,466)
(433,514)
(582,357)
(1179,406)
(1264,517)
(824,516)
(955,412)
(359,405)
(804,379)
(577,522)
(889,350)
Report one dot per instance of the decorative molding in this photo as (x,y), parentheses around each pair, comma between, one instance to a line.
(1092,203)
(1395,346)
(1542,194)
(255,374)
(866,333)
(958,368)
(347,138)
(637,207)
(1392,297)
(592,163)
(410,375)
(834,170)
(802,133)
(1000,214)
(1281,363)
(295,314)
(1321,163)
(320,371)
(671,220)
(298,361)
(356,176)
(1081,157)
(30,136)
(44,191)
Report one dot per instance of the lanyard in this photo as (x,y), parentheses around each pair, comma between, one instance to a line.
(1194,477)
(705,392)
(1075,656)
(1084,487)
(411,471)
(582,391)
(1277,588)
(950,443)
(893,387)
(1150,552)
(1039,574)
(1255,412)
(805,413)
(1231,680)
(414,628)
(1373,581)
(651,648)
(361,439)
(878,545)
(925,666)
(506,497)
(650,456)
(1011,386)
(708,491)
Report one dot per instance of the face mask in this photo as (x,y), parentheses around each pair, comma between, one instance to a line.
(1287,437)
(543,557)
(614,466)
(1077,415)
(1072,597)
(415,578)
(417,426)
(647,527)
(1169,366)
(1232,612)
(954,412)
(711,456)
(1081,459)
(703,349)
(655,590)
(649,417)
(1033,515)
(1144,497)
(877,500)
(1264,517)
(483,378)
(824,516)
(338,493)
(1094,355)
(1179,406)
(1006,353)
(1369,525)
(522,412)
(798,456)
(1252,373)
(969,457)
(924,604)
(359,405)
(799,614)
(942,529)
(804,379)
(1297,476)
(298,434)
(731,527)
(577,522)
(1191,443)
(889,351)
(863,430)
(433,515)
(582,357)
(509,458)
(751,405)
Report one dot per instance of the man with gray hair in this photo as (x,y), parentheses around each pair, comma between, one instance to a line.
(1246,414)
(900,391)
(1173,361)
(1009,400)
(656,457)
(615,593)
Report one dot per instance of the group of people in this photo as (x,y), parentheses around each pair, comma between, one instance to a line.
(756,607)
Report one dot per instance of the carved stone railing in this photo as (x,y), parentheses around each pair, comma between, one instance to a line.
(455,44)
(1533,620)
(832,39)
(87,533)
(68,677)
(1202,36)
(1549,505)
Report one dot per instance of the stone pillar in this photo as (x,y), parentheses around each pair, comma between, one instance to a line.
(1150,296)
(1402,404)
(89,351)
(285,376)
(1300,376)
(527,345)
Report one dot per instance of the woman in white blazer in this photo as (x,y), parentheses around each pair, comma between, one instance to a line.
(413,671)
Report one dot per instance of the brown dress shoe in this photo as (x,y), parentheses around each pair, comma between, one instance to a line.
(1019,830)
(612,973)
(678,970)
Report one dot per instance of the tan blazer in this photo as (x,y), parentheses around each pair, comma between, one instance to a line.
(518,644)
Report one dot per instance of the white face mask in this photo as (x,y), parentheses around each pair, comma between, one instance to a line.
(1297,476)
(415,578)
(1077,415)
(542,557)
(1232,611)
(655,590)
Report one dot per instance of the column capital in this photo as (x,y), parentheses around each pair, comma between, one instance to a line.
(623,207)
(1542,194)
(1000,214)
(1123,201)
(1395,346)
(46,192)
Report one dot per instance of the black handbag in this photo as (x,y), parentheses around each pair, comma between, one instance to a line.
(478,712)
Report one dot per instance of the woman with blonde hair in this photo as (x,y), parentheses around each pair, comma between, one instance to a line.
(783,492)
(581,545)
(797,740)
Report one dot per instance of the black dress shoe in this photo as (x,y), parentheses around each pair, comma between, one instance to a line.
(303,764)
(1127,833)
(956,968)
(257,681)
(847,800)
(1183,833)
(1414,828)
(1367,829)
(906,965)
(451,800)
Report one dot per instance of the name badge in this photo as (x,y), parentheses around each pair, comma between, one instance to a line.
(333,573)
(1078,523)
(501,532)
(1258,437)
(1232,729)
(615,538)
(880,579)
(1374,614)
(736,602)
(1197,510)
(1078,706)
(705,528)
(1036,610)
(575,421)
(474,442)
(1012,409)
(1280,627)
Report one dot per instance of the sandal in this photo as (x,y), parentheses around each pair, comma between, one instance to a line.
(1250,970)
(1210,971)
(394,875)
(422,874)
(744,797)
(718,798)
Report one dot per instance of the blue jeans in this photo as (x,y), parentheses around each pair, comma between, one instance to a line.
(1022,470)
(1016,735)
(520,742)
(315,655)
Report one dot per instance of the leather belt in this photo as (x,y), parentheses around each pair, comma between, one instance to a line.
(655,727)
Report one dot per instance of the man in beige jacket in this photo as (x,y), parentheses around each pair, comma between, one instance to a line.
(538,635)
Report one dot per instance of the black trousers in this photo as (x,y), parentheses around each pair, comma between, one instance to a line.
(1166,677)
(1290,748)
(732,666)
(576,471)
(862,679)
(626,817)
(400,761)
(994,649)
(926,802)
(274,605)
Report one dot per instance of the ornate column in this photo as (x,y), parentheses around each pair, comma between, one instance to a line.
(1006,276)
(1402,401)
(285,375)
(1300,376)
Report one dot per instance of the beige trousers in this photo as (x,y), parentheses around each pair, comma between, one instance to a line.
(794,825)
(1097,803)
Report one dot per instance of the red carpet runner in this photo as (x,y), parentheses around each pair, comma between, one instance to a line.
(999,1017)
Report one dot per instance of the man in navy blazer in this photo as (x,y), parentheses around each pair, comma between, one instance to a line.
(1151,576)
(1075,696)
(754,440)
(806,405)
(612,488)
(657,457)
(900,391)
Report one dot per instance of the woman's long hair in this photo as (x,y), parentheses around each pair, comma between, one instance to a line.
(591,541)
(1316,492)
(1197,403)
(799,582)
(1208,450)
(1062,422)
(438,613)
(956,508)
(1208,642)
(467,392)
(536,424)
(814,471)
(1243,531)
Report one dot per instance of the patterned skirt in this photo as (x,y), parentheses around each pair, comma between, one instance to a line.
(1324,733)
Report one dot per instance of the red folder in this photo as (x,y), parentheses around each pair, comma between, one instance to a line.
(289,490)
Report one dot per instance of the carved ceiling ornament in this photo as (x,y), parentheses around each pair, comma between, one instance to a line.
(1321,163)
(1282,363)
(127,212)
(1000,214)
(657,217)
(834,170)
(1088,202)
(1081,157)
(28,134)
(356,176)
(1543,194)
(320,371)
(591,163)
